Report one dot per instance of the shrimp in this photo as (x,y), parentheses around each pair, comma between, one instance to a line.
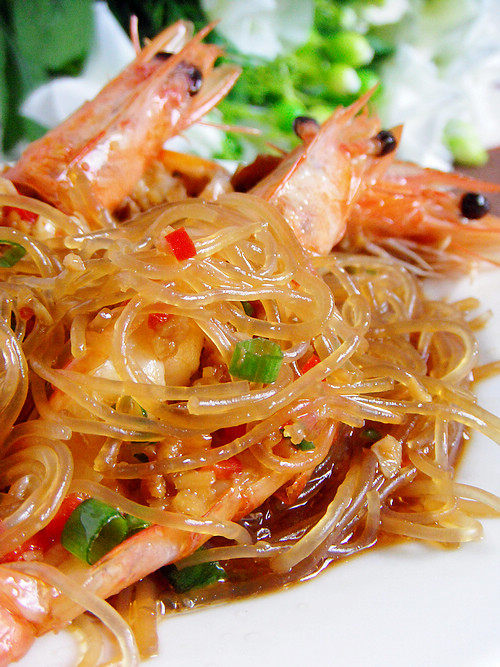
(108,143)
(423,208)
(317,184)
(337,188)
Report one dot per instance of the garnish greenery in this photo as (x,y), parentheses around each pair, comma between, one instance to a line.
(38,40)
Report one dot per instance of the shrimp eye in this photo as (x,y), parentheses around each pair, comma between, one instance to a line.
(163,55)
(305,126)
(474,205)
(387,142)
(195,79)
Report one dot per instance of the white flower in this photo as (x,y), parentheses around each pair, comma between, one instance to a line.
(446,67)
(112,50)
(264,28)
(390,11)
(415,95)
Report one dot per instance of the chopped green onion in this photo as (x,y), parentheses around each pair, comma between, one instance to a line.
(93,529)
(129,406)
(305,445)
(248,308)
(256,360)
(195,576)
(12,254)
(343,80)
(135,524)
(350,48)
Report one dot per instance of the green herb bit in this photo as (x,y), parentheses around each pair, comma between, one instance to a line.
(93,529)
(463,141)
(371,434)
(343,80)
(248,308)
(12,254)
(349,47)
(305,446)
(256,360)
(129,406)
(195,576)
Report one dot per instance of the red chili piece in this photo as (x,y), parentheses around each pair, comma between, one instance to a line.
(46,537)
(28,216)
(181,244)
(310,363)
(226,469)
(225,435)
(157,320)
(26,313)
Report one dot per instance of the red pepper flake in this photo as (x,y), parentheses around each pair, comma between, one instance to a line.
(46,537)
(225,435)
(157,320)
(26,313)
(181,244)
(28,216)
(310,363)
(226,469)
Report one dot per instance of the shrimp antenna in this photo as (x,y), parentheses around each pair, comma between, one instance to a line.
(236,129)
(134,33)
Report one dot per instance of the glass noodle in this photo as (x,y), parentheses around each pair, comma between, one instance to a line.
(384,354)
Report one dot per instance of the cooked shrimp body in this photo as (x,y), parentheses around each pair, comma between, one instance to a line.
(317,184)
(107,144)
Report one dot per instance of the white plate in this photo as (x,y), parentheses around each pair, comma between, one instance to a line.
(406,606)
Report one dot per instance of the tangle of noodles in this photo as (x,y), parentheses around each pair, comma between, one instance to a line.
(115,385)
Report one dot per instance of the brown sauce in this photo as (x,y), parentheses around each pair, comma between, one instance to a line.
(276,522)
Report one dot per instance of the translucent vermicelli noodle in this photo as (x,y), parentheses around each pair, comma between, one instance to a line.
(119,384)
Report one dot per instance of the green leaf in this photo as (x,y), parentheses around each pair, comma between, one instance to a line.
(194,576)
(19,78)
(52,33)
(3,85)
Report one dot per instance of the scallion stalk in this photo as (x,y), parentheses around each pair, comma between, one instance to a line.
(195,576)
(256,360)
(11,255)
(93,529)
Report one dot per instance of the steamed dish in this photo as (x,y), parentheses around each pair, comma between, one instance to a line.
(194,384)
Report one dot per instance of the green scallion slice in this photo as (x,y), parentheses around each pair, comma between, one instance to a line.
(256,360)
(12,254)
(248,308)
(195,576)
(305,445)
(135,524)
(93,529)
